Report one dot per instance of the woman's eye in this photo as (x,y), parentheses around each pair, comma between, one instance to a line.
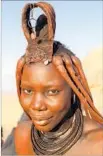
(53,92)
(27,91)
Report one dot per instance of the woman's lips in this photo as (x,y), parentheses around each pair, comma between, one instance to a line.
(39,116)
(42,122)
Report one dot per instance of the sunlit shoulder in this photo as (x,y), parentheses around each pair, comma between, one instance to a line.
(22,139)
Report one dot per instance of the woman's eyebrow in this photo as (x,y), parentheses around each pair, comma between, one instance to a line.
(25,84)
(46,85)
(53,84)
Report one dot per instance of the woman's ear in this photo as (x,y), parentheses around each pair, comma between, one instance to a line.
(19,70)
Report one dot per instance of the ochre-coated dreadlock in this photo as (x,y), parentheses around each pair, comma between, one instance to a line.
(41,47)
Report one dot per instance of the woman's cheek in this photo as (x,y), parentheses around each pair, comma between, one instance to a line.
(64,101)
(25,102)
(57,103)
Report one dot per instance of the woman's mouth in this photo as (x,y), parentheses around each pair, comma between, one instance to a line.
(41,118)
(42,122)
(42,115)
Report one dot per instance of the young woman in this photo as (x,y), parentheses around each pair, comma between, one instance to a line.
(53,91)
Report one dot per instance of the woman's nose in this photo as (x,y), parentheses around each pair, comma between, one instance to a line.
(38,102)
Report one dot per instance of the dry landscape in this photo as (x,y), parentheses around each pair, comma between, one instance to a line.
(11,112)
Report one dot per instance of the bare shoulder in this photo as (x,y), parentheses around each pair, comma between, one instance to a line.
(24,126)
(22,138)
(91,125)
(22,131)
(93,135)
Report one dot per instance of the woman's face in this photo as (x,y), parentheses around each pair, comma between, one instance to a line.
(45,95)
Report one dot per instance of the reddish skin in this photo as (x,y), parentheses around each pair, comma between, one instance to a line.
(49,98)
(45,94)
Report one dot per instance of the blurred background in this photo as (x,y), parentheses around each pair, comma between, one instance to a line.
(79,27)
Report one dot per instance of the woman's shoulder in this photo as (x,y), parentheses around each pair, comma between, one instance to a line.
(23,130)
(22,137)
(91,126)
(25,125)
(93,135)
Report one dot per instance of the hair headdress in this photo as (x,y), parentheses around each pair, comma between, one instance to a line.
(40,45)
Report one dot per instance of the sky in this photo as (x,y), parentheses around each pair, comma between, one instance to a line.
(78,26)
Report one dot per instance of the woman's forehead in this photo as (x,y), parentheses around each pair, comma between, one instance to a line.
(42,74)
